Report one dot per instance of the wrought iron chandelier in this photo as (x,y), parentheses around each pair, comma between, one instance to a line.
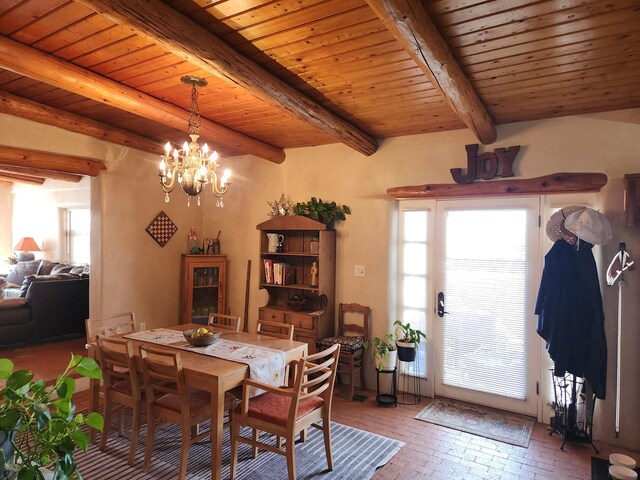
(192,166)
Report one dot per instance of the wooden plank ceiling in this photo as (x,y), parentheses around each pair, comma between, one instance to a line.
(333,70)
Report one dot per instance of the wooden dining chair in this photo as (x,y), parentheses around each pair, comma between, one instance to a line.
(121,386)
(228,322)
(169,399)
(286,412)
(116,324)
(275,329)
(351,337)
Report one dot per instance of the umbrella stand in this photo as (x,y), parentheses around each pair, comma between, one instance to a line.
(622,259)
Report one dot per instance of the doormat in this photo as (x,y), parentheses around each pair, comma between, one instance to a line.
(479,421)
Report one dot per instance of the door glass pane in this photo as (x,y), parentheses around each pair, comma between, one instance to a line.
(485,296)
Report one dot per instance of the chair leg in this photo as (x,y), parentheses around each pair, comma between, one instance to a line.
(352,376)
(291,456)
(135,432)
(107,421)
(326,429)
(362,381)
(184,451)
(235,431)
(254,450)
(151,430)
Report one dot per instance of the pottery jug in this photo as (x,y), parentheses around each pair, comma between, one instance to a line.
(275,242)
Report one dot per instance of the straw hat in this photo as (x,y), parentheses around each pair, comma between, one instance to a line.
(589,225)
(556,227)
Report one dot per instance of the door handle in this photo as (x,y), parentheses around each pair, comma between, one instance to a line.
(441,311)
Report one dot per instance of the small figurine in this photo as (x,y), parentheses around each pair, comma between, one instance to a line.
(314,274)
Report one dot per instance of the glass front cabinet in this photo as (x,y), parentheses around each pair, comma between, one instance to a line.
(202,287)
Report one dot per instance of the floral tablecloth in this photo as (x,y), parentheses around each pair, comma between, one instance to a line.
(266,365)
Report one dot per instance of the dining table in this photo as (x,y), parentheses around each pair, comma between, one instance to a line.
(212,374)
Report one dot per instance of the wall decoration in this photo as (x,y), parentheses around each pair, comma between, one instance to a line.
(161,229)
(486,166)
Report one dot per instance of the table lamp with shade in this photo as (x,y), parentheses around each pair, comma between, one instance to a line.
(27,245)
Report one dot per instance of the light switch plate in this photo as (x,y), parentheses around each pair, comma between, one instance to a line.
(358,270)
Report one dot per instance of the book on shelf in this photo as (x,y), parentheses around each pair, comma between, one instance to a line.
(268,270)
(279,273)
(288,275)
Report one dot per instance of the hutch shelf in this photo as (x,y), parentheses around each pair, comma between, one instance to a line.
(289,274)
(202,287)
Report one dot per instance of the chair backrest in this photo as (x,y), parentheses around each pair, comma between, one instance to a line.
(275,329)
(117,361)
(117,324)
(162,374)
(353,308)
(229,322)
(315,377)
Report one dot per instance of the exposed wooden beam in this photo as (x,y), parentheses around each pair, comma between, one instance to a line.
(46,68)
(554,183)
(10,177)
(22,107)
(183,37)
(411,25)
(36,172)
(21,157)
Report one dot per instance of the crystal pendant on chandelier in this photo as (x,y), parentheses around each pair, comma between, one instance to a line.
(192,165)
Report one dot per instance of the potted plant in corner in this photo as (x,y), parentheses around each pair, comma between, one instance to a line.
(326,212)
(39,429)
(407,340)
(384,352)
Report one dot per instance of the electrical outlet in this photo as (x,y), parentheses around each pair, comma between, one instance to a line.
(358,270)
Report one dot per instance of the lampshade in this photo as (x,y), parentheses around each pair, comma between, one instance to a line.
(27,244)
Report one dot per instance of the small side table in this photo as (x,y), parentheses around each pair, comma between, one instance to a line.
(391,398)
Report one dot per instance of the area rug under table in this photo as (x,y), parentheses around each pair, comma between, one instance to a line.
(479,421)
(356,455)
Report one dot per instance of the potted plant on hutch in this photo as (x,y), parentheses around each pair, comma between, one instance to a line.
(326,212)
(384,352)
(407,340)
(39,429)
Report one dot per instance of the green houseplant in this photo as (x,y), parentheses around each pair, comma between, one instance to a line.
(384,352)
(407,340)
(39,425)
(326,212)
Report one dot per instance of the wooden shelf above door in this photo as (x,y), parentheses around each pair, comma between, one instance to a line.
(554,183)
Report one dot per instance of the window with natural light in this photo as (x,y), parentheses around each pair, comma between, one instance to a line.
(78,226)
(414,276)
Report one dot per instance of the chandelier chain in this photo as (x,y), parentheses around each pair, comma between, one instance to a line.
(194,117)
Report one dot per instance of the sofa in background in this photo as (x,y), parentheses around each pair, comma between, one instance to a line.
(44,307)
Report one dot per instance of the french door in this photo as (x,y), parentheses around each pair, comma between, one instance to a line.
(486,279)
(482,274)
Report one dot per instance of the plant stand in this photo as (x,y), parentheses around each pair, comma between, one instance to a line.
(567,409)
(408,384)
(387,399)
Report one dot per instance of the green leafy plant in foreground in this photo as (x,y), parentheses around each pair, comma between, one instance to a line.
(41,422)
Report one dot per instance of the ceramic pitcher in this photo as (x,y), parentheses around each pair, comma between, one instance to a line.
(275,241)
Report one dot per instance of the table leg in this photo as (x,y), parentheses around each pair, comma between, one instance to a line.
(217,420)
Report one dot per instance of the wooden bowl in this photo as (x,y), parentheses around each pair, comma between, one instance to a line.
(201,340)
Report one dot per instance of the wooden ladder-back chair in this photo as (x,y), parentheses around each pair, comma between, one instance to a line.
(169,399)
(286,412)
(228,322)
(121,386)
(109,326)
(352,346)
(275,329)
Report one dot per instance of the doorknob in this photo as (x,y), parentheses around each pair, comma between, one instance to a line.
(441,311)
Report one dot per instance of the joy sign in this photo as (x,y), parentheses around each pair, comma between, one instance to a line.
(486,166)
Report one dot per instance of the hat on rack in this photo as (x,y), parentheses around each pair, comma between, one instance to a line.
(589,225)
(555,226)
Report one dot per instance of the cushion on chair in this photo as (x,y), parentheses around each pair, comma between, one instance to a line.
(199,402)
(274,408)
(347,343)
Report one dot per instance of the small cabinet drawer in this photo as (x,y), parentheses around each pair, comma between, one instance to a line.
(272,315)
(302,321)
